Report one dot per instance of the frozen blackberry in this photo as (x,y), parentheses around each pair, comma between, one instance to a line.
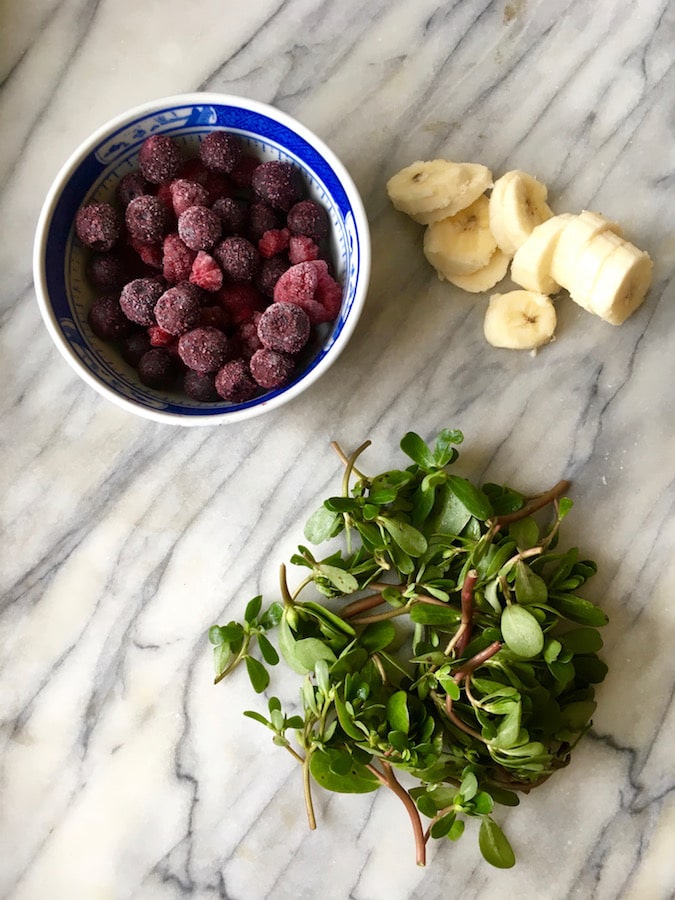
(220,151)
(156,368)
(271,369)
(199,228)
(200,386)
(139,298)
(261,218)
(177,310)
(107,320)
(270,272)
(130,186)
(159,158)
(279,183)
(185,193)
(310,219)
(233,215)
(238,258)
(105,271)
(135,346)
(284,327)
(97,225)
(147,219)
(234,382)
(203,349)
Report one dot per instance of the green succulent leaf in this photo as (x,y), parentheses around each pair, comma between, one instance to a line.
(414,447)
(494,845)
(258,674)
(522,633)
(339,772)
(409,539)
(475,501)
(323,525)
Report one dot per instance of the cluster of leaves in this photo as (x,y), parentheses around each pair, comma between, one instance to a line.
(450,643)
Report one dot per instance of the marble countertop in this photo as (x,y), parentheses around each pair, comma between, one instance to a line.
(124,773)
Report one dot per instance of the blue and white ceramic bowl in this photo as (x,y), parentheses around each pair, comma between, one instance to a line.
(92,173)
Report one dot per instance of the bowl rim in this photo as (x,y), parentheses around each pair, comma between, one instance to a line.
(87,146)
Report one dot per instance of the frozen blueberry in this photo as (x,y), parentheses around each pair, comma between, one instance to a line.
(105,271)
(233,215)
(261,218)
(159,158)
(185,193)
(270,272)
(203,349)
(238,258)
(220,151)
(271,369)
(135,346)
(199,228)
(97,225)
(130,186)
(200,386)
(310,219)
(284,327)
(234,382)
(146,219)
(279,183)
(107,320)
(156,368)
(177,310)
(139,298)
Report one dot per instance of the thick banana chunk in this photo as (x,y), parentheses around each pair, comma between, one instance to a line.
(463,243)
(519,320)
(621,285)
(435,189)
(486,278)
(531,265)
(577,235)
(517,206)
(580,271)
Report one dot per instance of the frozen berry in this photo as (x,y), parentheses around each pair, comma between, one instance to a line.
(150,254)
(220,151)
(302,249)
(284,327)
(200,386)
(310,219)
(199,228)
(246,337)
(194,170)
(238,258)
(107,320)
(185,194)
(138,300)
(310,285)
(232,214)
(271,369)
(177,310)
(214,316)
(242,173)
(105,271)
(234,381)
(203,349)
(159,158)
(156,368)
(274,242)
(206,273)
(218,186)
(135,346)
(261,218)
(97,225)
(240,301)
(279,183)
(270,272)
(177,259)
(159,337)
(130,186)
(146,218)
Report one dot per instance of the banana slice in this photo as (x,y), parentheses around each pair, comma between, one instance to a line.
(463,243)
(531,265)
(578,233)
(517,206)
(622,284)
(519,320)
(581,271)
(484,279)
(433,190)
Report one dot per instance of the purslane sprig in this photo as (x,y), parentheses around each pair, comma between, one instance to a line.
(448,641)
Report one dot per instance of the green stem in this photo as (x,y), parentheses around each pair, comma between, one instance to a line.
(307,787)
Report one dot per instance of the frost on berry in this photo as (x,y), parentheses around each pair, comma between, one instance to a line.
(177,259)
(274,242)
(284,327)
(138,300)
(238,258)
(199,228)
(146,219)
(156,368)
(185,193)
(220,151)
(177,310)
(311,287)
(200,386)
(97,225)
(278,183)
(159,158)
(271,369)
(107,320)
(206,273)
(302,249)
(310,219)
(234,382)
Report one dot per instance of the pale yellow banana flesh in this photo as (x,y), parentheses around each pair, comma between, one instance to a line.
(486,278)
(531,265)
(575,238)
(430,190)
(517,206)
(621,284)
(519,320)
(461,244)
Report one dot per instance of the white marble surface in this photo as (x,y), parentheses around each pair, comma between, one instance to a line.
(123,771)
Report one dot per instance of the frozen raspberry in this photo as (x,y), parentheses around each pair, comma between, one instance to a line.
(138,299)
(177,259)
(240,301)
(105,271)
(274,242)
(159,158)
(233,215)
(97,225)
(185,194)
(238,258)
(271,369)
(159,338)
(310,286)
(284,327)
(134,347)
(130,186)
(156,368)
(146,218)
(234,382)
(220,151)
(246,337)
(150,254)
(298,284)
(242,173)
(177,310)
(279,183)
(107,320)
(302,249)
(200,386)
(203,349)
(215,317)
(270,272)
(309,219)
(206,273)
(199,228)
(262,217)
